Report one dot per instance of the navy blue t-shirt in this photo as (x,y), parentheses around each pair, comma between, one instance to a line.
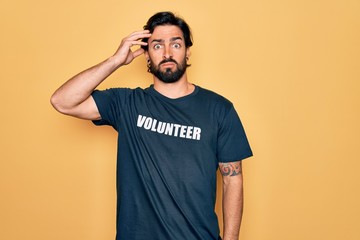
(168,154)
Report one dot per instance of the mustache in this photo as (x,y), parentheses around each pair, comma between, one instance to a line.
(168,60)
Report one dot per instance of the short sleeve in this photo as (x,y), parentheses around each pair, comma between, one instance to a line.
(232,142)
(110,103)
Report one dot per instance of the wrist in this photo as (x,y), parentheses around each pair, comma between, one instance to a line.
(231,236)
(115,62)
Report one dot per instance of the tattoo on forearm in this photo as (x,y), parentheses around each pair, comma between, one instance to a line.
(230,169)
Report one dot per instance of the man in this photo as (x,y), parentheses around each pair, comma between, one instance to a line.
(172,138)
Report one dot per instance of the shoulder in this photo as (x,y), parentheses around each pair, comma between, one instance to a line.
(215,99)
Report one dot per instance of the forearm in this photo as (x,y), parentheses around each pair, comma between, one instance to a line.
(232,199)
(232,209)
(79,88)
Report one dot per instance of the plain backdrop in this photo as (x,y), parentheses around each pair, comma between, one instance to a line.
(291,68)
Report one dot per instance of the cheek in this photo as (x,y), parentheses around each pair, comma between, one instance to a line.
(154,62)
(153,59)
(155,54)
(180,54)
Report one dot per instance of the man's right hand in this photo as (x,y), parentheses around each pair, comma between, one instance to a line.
(124,55)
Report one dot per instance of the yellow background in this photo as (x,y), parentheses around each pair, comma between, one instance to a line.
(291,68)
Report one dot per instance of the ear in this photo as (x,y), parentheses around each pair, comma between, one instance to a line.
(147,55)
(188,52)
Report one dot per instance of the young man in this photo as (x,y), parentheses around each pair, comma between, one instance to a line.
(172,138)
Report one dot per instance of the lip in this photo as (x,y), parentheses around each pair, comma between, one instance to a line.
(168,64)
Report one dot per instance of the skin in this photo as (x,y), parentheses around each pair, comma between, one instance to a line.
(168,42)
(74,98)
(232,198)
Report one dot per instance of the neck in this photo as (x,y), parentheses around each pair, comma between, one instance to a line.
(174,90)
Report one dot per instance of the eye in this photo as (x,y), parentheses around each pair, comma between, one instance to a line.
(157,46)
(176,45)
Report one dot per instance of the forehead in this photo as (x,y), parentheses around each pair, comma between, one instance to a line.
(165,32)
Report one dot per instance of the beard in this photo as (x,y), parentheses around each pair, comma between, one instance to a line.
(168,76)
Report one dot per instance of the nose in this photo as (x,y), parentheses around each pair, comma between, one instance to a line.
(167,52)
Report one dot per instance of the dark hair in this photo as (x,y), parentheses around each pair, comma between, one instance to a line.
(168,18)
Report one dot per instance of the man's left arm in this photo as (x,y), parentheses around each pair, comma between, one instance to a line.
(232,198)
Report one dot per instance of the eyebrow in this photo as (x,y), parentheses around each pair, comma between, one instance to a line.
(171,39)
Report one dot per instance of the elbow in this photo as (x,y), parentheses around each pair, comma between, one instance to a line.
(233,181)
(55,101)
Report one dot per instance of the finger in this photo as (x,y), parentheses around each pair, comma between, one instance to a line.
(139,32)
(138,52)
(135,39)
(128,43)
(134,43)
(139,35)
